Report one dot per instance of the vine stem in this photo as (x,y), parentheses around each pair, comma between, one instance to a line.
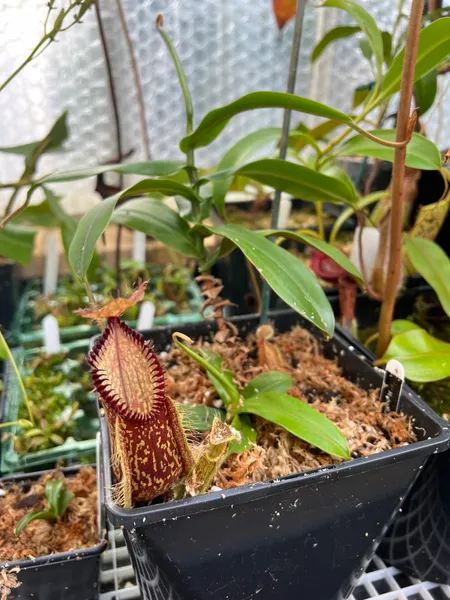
(292,76)
(7,351)
(398,174)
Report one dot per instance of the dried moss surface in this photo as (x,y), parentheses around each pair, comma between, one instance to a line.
(318,381)
(77,529)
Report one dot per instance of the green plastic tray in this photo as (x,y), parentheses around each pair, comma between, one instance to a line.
(23,334)
(72,451)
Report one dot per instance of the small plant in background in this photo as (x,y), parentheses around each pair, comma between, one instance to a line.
(58,500)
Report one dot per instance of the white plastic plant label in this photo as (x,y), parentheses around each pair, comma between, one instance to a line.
(50,329)
(370,240)
(139,247)
(51,264)
(146,316)
(285,211)
(392,385)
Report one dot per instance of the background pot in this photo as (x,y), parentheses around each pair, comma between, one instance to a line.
(65,576)
(308,535)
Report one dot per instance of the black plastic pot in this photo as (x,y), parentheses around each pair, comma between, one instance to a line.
(304,536)
(65,576)
(8,294)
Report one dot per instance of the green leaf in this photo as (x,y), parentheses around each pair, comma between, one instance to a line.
(158,221)
(434,47)
(300,419)
(337,255)
(67,224)
(272,381)
(216,361)
(228,390)
(336,171)
(387,47)
(287,275)
(421,153)
(237,155)
(198,417)
(338,33)
(39,214)
(366,48)
(367,24)
(88,232)
(401,325)
(301,182)
(215,121)
(65,498)
(423,357)
(243,424)
(17,243)
(51,143)
(154,168)
(53,489)
(433,264)
(425,91)
(28,518)
(4,350)
(359,95)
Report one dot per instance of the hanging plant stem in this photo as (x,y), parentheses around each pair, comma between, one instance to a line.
(295,52)
(398,175)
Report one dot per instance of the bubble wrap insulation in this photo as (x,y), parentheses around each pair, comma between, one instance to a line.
(227,48)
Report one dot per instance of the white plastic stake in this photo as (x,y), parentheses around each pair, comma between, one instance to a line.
(392,385)
(285,211)
(146,316)
(139,247)
(50,330)
(51,264)
(370,240)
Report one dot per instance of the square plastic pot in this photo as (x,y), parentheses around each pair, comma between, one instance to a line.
(71,452)
(418,543)
(309,535)
(64,576)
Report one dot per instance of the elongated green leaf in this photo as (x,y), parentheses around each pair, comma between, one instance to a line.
(17,243)
(4,350)
(339,173)
(338,33)
(401,325)
(337,255)
(53,489)
(434,47)
(423,357)
(425,91)
(154,168)
(88,232)
(243,424)
(216,361)
(67,224)
(198,417)
(228,390)
(158,221)
(51,143)
(236,156)
(387,47)
(38,214)
(272,381)
(215,121)
(366,48)
(360,95)
(367,24)
(287,275)
(29,517)
(65,498)
(434,265)
(300,419)
(299,181)
(421,153)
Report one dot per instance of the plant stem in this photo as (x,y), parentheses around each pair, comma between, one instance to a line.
(320,225)
(398,173)
(189,107)
(137,80)
(295,52)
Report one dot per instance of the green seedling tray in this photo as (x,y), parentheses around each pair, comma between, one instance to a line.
(24,334)
(72,451)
